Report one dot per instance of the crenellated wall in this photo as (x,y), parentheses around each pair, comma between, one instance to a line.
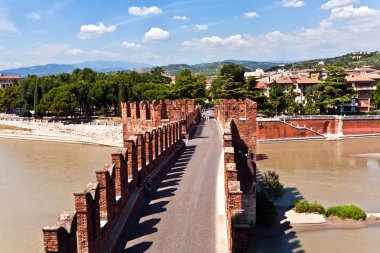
(238,119)
(138,117)
(151,134)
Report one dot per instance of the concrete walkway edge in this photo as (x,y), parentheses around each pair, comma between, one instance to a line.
(222,242)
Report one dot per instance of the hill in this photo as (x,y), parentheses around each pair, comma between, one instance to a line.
(214,67)
(51,69)
(351,60)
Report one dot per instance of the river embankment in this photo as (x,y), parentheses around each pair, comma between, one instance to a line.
(316,127)
(333,173)
(108,134)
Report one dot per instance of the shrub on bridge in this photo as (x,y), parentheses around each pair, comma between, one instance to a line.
(303,206)
(346,212)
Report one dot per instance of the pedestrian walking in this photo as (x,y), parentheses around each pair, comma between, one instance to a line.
(147,184)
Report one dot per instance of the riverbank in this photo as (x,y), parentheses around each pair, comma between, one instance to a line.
(289,221)
(84,133)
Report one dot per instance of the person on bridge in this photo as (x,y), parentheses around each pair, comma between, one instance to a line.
(147,184)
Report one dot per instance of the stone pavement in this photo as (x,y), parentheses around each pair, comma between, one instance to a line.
(180,214)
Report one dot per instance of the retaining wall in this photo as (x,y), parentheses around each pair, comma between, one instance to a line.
(311,127)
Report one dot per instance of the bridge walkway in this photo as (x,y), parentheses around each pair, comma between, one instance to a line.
(180,214)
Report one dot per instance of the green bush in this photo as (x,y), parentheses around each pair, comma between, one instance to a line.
(316,207)
(346,212)
(303,206)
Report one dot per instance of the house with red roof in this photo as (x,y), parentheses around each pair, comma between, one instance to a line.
(300,85)
(7,81)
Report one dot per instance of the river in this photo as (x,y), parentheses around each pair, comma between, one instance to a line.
(37,182)
(330,172)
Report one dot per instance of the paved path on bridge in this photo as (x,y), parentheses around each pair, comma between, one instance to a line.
(180,214)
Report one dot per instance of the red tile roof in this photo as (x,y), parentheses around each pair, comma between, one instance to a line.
(262,85)
(367,69)
(10,77)
(362,77)
(297,79)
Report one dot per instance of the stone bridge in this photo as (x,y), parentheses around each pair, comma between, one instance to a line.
(202,199)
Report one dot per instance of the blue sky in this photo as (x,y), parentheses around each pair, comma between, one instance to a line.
(189,31)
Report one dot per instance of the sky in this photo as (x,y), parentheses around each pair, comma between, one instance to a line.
(160,32)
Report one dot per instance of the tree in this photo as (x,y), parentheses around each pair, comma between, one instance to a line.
(292,106)
(60,101)
(157,76)
(375,96)
(333,91)
(36,100)
(188,85)
(11,98)
(276,98)
(64,103)
(235,70)
(310,107)
(271,186)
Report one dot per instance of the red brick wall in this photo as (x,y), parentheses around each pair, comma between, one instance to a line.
(238,118)
(361,126)
(267,130)
(324,126)
(145,139)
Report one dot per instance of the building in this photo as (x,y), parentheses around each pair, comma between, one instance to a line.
(264,87)
(364,70)
(300,86)
(7,81)
(363,84)
(270,77)
(257,73)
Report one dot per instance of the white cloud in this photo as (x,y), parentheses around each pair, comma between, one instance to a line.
(74,51)
(180,17)
(143,11)
(251,14)
(8,26)
(156,33)
(34,16)
(352,12)
(325,23)
(101,53)
(93,31)
(292,3)
(337,3)
(94,52)
(200,27)
(276,44)
(127,44)
(232,42)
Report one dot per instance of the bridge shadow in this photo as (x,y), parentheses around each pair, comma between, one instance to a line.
(280,237)
(199,129)
(145,220)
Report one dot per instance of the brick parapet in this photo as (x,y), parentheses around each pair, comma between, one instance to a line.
(238,120)
(99,205)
